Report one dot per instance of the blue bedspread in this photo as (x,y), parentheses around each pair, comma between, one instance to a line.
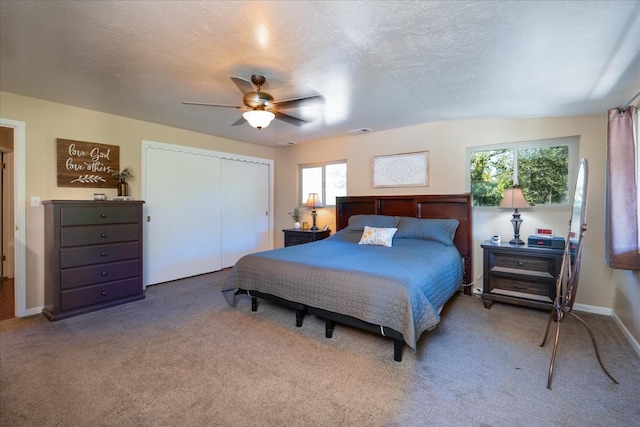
(401,287)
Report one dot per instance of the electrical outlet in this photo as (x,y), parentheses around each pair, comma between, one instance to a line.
(35,201)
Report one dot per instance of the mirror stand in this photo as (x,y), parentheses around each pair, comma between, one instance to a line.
(567,281)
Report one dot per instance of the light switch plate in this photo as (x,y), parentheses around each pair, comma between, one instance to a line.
(35,201)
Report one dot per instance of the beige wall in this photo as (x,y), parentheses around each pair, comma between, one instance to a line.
(627,301)
(46,121)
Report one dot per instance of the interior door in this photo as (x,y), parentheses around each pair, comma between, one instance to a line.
(245,209)
(182,204)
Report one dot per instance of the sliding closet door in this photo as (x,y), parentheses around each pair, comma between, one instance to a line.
(182,204)
(245,209)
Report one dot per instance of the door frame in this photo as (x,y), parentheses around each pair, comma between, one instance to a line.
(20,243)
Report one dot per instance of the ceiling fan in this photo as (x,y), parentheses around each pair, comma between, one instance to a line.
(261,107)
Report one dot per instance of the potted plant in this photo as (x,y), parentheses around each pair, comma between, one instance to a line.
(123,176)
(295,215)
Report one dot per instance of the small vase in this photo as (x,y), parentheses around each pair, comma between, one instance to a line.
(296,225)
(123,188)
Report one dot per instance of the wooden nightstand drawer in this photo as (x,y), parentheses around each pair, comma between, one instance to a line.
(544,266)
(520,287)
(299,237)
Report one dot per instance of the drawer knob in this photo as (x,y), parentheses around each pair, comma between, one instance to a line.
(103,293)
(103,234)
(103,253)
(520,264)
(104,215)
(519,286)
(104,274)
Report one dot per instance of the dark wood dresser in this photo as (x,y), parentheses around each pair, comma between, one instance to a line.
(93,255)
(294,237)
(518,274)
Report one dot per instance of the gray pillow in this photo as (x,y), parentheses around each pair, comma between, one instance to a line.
(357,222)
(439,230)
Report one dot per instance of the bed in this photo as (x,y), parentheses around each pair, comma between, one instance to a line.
(389,269)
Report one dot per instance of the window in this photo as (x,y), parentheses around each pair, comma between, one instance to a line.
(540,168)
(329,180)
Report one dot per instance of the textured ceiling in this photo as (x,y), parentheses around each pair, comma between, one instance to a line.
(378,64)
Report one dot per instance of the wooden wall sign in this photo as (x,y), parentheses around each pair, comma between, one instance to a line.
(87,164)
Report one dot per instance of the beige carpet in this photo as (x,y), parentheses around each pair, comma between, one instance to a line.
(183,357)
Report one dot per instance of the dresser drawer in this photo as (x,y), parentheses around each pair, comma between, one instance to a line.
(82,276)
(98,234)
(79,256)
(88,215)
(297,240)
(519,285)
(535,265)
(89,295)
(295,237)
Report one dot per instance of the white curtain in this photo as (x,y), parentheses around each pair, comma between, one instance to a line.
(621,191)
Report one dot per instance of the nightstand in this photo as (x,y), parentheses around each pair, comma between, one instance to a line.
(521,275)
(294,237)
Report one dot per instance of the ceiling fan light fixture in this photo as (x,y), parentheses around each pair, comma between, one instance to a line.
(258,118)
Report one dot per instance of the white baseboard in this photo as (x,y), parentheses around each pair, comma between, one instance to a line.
(634,343)
(593,309)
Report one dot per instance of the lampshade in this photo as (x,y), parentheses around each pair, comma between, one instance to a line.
(259,118)
(514,199)
(314,201)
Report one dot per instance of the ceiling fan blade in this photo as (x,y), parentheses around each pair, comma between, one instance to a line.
(290,119)
(207,104)
(239,122)
(299,102)
(244,85)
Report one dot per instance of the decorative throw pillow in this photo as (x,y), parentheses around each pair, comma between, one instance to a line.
(377,236)
(357,222)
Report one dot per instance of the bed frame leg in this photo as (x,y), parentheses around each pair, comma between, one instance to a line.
(397,350)
(300,317)
(329,328)
(254,304)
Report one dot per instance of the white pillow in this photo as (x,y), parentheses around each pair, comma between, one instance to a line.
(377,236)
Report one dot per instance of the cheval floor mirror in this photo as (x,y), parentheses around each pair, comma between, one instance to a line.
(567,283)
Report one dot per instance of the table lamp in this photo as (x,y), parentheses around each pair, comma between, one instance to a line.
(314,202)
(514,199)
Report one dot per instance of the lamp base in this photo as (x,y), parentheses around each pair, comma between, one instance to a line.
(314,214)
(516,221)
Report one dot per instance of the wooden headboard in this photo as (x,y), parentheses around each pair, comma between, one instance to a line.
(456,206)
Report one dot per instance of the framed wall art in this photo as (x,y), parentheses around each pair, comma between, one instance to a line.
(87,164)
(400,170)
